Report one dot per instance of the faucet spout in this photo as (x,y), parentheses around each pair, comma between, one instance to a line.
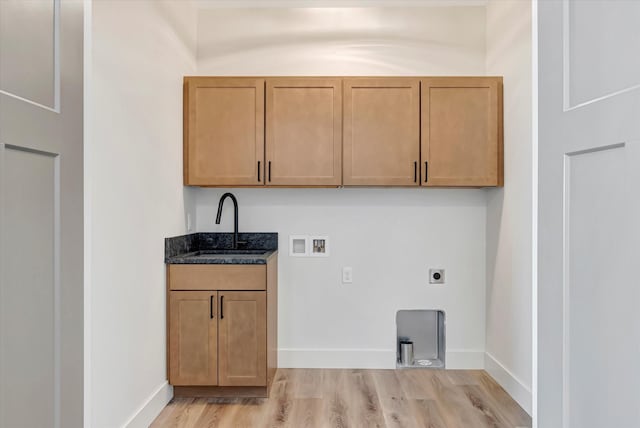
(235,216)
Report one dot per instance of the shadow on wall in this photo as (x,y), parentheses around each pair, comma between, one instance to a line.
(349,197)
(495,209)
(172,13)
(316,41)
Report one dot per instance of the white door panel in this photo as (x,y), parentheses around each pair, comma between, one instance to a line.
(588,232)
(601,42)
(29,297)
(29,46)
(601,328)
(41,213)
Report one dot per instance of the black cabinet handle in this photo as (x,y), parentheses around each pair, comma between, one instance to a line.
(415,172)
(221,307)
(211,306)
(258,171)
(269,171)
(426,171)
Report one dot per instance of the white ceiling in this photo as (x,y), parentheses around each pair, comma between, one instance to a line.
(211,4)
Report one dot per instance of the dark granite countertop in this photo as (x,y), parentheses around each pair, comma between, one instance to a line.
(216,248)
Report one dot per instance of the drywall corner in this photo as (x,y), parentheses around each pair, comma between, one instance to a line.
(510,209)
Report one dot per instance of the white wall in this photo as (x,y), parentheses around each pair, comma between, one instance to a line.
(342,41)
(509,210)
(389,236)
(141,50)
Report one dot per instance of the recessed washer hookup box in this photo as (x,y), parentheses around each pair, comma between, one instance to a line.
(426,329)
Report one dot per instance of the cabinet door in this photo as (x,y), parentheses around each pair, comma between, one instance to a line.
(304,132)
(462,131)
(381,132)
(193,341)
(223,131)
(243,338)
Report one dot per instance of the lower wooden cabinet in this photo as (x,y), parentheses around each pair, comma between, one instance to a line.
(242,341)
(193,329)
(222,342)
(218,338)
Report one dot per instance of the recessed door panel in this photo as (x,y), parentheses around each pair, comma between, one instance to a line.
(381,132)
(600,64)
(224,131)
(193,338)
(304,132)
(29,50)
(601,329)
(243,338)
(30,288)
(461,132)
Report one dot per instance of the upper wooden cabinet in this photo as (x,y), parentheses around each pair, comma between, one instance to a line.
(462,131)
(381,132)
(304,131)
(332,131)
(223,131)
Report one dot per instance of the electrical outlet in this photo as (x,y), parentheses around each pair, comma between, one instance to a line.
(436,276)
(347,275)
(189,225)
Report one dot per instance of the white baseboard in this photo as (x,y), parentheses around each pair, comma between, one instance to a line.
(151,408)
(366,359)
(514,386)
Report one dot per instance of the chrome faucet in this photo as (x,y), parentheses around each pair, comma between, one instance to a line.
(235,217)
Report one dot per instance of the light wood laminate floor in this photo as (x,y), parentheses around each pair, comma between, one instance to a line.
(359,398)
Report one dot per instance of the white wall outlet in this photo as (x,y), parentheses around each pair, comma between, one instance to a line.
(347,275)
(298,245)
(189,223)
(318,246)
(436,276)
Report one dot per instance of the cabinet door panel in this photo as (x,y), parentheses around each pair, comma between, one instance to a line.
(224,131)
(243,338)
(462,131)
(193,341)
(304,132)
(381,132)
